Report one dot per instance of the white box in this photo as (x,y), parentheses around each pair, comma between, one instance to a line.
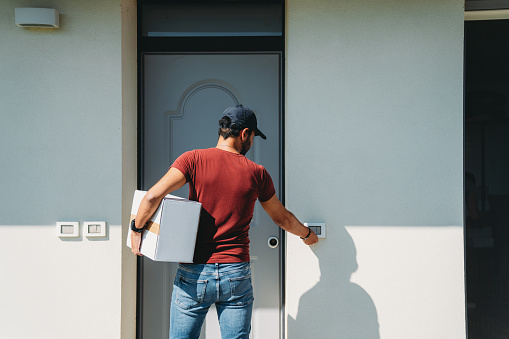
(171,234)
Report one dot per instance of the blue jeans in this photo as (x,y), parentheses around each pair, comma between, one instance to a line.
(198,286)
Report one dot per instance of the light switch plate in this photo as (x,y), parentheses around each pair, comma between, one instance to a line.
(68,229)
(94,229)
(317,227)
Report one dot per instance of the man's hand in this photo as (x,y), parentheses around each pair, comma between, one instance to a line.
(136,243)
(312,239)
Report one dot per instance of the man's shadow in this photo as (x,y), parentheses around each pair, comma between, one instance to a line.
(335,303)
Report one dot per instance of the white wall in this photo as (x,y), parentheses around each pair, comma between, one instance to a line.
(374,102)
(67,152)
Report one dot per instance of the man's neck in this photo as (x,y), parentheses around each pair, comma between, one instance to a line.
(229,145)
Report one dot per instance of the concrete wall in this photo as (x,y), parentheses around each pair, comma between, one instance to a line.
(68,153)
(374,102)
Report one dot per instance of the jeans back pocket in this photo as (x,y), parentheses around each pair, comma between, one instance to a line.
(190,292)
(241,290)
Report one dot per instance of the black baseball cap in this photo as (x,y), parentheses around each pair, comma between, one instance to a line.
(243,117)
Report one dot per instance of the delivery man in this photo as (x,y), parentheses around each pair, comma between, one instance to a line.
(227,184)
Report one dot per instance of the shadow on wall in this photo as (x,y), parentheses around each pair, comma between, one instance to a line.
(335,305)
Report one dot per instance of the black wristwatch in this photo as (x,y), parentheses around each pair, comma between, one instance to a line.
(133,227)
(307,236)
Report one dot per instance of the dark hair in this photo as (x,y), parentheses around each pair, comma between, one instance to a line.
(226,130)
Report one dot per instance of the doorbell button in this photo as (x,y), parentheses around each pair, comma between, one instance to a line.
(317,227)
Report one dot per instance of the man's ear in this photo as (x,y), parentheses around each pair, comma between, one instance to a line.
(245,134)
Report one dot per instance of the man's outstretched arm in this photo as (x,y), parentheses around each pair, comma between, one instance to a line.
(287,221)
(172,180)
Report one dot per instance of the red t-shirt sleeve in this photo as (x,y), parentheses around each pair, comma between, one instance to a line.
(185,163)
(267,190)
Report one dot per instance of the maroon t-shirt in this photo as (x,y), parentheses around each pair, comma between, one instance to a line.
(227,185)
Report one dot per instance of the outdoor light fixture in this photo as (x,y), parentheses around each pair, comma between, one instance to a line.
(37,17)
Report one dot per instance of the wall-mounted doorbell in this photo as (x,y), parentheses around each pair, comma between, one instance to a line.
(317,227)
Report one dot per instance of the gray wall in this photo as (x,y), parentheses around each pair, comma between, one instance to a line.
(68,126)
(61,115)
(374,133)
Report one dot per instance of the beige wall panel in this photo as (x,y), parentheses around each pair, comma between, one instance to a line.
(129,161)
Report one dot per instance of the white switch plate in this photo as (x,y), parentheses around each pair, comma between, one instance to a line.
(68,229)
(94,229)
(323,232)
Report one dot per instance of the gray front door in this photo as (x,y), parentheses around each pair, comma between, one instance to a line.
(183,98)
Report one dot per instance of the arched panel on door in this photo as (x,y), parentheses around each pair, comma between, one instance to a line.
(217,94)
(195,121)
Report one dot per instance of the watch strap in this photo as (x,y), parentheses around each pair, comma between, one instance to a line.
(307,236)
(134,228)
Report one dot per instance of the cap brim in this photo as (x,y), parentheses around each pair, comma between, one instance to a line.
(258,132)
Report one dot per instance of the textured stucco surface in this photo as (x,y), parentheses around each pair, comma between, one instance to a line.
(374,134)
(68,129)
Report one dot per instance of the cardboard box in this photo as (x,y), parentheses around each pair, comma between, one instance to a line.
(171,233)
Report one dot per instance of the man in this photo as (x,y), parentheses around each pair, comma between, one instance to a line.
(227,184)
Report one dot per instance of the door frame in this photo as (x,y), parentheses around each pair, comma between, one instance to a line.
(474,15)
(499,14)
(212,45)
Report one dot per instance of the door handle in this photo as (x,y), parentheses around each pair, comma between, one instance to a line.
(273,242)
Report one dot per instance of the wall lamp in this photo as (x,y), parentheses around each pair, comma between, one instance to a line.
(37,17)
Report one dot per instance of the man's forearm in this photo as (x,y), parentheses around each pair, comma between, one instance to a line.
(291,224)
(172,180)
(287,221)
(147,208)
